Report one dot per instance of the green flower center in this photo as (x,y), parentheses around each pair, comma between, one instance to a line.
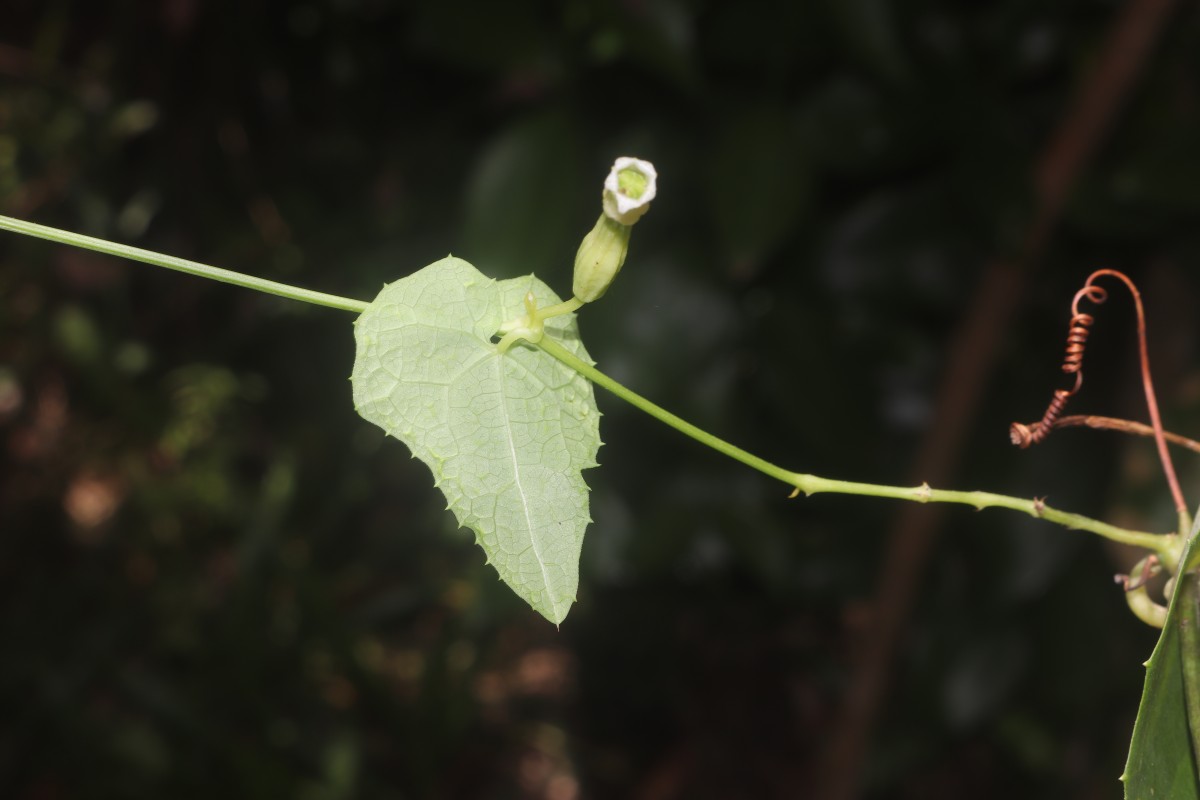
(632,183)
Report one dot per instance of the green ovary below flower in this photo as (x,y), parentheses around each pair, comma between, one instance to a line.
(599,258)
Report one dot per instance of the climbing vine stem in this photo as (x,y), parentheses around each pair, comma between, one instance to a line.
(1166,546)
(181,265)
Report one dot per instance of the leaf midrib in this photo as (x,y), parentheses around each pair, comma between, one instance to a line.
(512,450)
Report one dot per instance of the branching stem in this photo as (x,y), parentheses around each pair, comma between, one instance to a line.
(1168,546)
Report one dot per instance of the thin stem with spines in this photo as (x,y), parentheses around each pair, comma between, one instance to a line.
(1167,546)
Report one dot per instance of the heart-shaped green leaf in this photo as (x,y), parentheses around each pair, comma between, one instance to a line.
(506,435)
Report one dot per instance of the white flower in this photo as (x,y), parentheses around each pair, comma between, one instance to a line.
(630,186)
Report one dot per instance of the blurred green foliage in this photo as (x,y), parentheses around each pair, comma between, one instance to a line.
(217,580)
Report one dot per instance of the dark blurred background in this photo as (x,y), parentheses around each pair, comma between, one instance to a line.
(217,581)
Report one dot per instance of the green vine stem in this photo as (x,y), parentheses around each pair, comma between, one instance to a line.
(1167,546)
(181,265)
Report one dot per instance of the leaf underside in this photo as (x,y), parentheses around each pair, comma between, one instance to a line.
(506,436)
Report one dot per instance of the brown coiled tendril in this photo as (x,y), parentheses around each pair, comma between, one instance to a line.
(1077,335)
(1025,435)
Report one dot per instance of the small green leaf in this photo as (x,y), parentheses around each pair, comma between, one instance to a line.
(1161,761)
(506,435)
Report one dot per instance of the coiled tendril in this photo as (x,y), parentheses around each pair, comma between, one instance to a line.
(1077,336)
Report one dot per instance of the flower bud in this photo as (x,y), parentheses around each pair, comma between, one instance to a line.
(630,186)
(599,258)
